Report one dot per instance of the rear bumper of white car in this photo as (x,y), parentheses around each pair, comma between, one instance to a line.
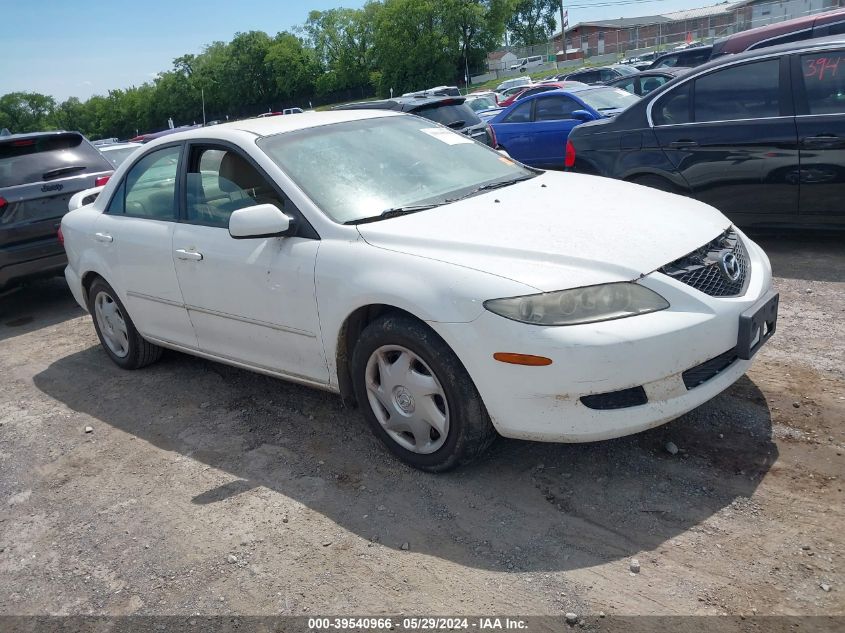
(75,285)
(657,361)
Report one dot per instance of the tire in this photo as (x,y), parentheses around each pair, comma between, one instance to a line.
(116,331)
(657,182)
(434,396)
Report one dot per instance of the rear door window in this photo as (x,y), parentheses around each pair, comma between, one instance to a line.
(149,188)
(747,91)
(520,114)
(673,107)
(47,158)
(555,108)
(823,75)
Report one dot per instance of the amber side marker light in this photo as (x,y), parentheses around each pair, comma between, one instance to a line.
(522,359)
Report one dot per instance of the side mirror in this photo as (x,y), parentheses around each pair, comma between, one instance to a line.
(262,220)
(583,115)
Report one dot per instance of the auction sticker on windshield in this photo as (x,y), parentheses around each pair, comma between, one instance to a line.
(447,136)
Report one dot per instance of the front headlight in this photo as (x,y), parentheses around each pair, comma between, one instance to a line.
(580,305)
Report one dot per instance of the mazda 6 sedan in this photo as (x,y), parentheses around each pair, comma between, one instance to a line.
(449,292)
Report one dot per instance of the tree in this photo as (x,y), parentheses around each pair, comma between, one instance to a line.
(532,21)
(292,66)
(343,42)
(26,111)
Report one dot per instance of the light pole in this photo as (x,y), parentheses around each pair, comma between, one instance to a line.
(202,92)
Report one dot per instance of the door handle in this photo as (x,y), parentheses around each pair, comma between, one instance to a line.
(682,144)
(103,237)
(822,139)
(193,256)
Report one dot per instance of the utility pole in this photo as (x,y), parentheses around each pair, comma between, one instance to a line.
(202,92)
(562,30)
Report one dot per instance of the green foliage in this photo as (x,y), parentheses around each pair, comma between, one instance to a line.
(338,54)
(532,21)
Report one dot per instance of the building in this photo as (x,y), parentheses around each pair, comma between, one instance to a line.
(500,60)
(704,23)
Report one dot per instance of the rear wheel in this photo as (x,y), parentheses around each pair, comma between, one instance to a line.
(117,334)
(417,396)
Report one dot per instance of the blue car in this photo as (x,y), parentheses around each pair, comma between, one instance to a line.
(534,130)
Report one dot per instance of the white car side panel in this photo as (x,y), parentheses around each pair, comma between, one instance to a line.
(139,265)
(428,289)
(252,300)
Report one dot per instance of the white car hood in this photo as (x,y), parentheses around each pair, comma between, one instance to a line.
(556,231)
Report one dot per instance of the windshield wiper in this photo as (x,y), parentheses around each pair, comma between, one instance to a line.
(394,212)
(457,125)
(493,185)
(61,171)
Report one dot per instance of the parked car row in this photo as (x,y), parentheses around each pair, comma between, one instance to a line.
(789,31)
(759,135)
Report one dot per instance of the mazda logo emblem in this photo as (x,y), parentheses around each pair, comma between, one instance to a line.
(729,266)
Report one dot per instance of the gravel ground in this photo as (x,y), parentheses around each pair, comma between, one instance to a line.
(200,488)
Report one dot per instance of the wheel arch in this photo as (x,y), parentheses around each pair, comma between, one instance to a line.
(350,330)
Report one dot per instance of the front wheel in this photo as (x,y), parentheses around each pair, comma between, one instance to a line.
(117,334)
(417,396)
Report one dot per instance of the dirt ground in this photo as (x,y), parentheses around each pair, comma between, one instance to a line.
(207,489)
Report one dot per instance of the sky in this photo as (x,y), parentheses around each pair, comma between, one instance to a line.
(79,48)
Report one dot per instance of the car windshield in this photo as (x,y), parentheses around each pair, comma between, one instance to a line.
(481,103)
(360,169)
(456,115)
(601,99)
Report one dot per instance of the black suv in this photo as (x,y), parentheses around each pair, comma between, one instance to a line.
(449,111)
(39,173)
(759,135)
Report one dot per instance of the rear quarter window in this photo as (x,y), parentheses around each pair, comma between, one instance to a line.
(46,158)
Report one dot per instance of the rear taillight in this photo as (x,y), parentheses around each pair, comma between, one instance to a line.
(492,134)
(60,236)
(102,180)
(3,203)
(569,158)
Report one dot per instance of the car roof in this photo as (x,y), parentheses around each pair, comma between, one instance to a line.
(663,70)
(780,49)
(403,104)
(111,146)
(269,126)
(738,42)
(11,137)
(692,50)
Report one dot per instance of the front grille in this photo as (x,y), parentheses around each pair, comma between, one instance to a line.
(704,269)
(700,374)
(632,397)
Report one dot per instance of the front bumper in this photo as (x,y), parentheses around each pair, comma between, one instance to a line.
(651,351)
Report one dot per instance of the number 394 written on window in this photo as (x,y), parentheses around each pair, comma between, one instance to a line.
(821,67)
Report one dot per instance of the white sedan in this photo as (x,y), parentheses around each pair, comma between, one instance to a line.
(451,293)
